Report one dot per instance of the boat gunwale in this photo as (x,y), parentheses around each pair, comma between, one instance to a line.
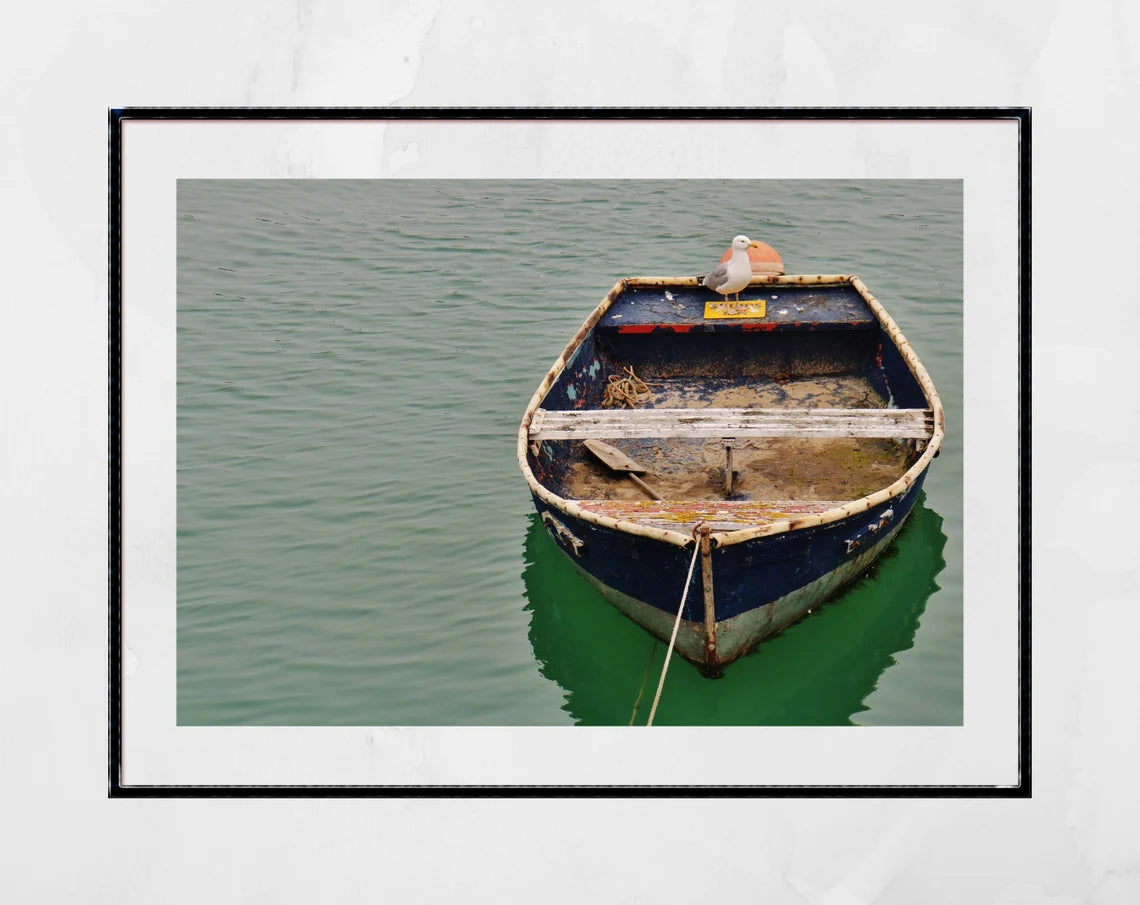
(740,535)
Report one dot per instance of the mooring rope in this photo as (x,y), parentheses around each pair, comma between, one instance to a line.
(644,681)
(676,624)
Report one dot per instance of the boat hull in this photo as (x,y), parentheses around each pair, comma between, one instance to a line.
(811,403)
(759,587)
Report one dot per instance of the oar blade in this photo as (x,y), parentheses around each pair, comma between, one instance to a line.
(612,457)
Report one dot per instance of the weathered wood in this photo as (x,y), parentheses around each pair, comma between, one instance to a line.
(729,443)
(719,515)
(710,599)
(581,424)
(614,459)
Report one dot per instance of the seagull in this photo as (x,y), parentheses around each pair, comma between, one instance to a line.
(735,273)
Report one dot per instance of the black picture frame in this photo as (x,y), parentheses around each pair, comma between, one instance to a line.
(119,117)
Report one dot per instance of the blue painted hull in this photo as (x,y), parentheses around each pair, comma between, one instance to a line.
(760,586)
(752,580)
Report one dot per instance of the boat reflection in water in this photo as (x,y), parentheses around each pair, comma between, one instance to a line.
(819,672)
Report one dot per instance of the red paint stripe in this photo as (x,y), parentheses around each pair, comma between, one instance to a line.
(757,327)
(653,328)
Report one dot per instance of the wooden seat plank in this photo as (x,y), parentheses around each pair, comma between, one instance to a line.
(710,423)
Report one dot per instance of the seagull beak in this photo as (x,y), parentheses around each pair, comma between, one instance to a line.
(753,244)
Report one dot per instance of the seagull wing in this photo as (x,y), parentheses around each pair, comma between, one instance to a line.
(717,276)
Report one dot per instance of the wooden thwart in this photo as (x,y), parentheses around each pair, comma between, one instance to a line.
(581,424)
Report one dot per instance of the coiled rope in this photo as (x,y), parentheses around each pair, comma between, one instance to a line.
(676,624)
(628,391)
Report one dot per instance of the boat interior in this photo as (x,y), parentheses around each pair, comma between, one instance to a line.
(668,422)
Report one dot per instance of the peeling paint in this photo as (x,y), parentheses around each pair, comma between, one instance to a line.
(687,286)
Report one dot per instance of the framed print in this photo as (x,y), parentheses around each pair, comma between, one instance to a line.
(354,551)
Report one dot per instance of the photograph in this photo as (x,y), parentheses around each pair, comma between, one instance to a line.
(357,543)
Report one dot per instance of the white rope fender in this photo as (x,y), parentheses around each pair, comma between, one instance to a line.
(676,624)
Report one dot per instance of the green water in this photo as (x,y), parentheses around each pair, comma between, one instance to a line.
(355,543)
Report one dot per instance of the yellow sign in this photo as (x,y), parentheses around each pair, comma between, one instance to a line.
(757,308)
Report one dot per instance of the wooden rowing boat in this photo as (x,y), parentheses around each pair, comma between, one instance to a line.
(786,437)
